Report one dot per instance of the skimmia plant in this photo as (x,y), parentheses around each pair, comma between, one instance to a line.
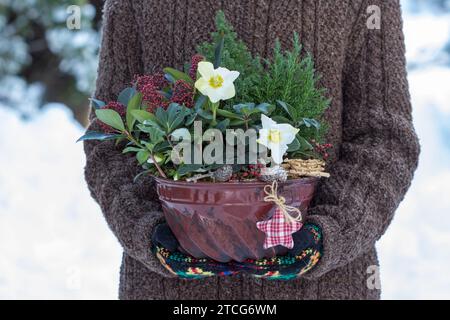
(224,90)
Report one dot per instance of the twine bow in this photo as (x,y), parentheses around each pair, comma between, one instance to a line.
(272,196)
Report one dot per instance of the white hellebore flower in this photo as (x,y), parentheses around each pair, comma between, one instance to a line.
(276,137)
(216,84)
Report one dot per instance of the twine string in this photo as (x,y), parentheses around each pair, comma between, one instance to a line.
(271,192)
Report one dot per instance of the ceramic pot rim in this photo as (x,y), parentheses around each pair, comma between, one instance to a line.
(305,180)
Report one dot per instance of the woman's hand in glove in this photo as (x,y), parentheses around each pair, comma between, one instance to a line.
(307,237)
(164,237)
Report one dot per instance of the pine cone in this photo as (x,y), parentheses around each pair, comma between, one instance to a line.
(270,174)
(223,174)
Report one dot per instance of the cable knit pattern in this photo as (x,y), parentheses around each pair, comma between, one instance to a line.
(372,165)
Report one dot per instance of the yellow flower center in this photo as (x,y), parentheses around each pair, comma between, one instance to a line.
(274,135)
(216,81)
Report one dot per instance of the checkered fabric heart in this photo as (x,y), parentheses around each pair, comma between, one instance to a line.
(278,231)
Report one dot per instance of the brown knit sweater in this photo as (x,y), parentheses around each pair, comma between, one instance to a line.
(376,148)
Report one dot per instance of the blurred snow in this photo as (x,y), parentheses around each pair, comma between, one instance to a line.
(414,253)
(55,244)
(11,46)
(79,54)
(15,91)
(77,50)
(424,43)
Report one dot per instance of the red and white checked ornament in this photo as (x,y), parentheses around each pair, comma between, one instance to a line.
(278,231)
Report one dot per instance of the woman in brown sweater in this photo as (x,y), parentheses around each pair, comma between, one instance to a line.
(376,148)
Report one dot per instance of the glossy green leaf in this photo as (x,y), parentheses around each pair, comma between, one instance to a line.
(191,118)
(141,174)
(173,111)
(166,94)
(285,107)
(169,78)
(236,122)
(228,114)
(131,149)
(176,115)
(310,123)
(201,100)
(178,75)
(207,115)
(133,105)
(153,131)
(265,108)
(155,124)
(244,108)
(126,95)
(304,144)
(162,116)
(294,146)
(223,125)
(181,133)
(111,118)
(156,135)
(142,115)
(95,135)
(188,168)
(162,146)
(142,156)
(280,119)
(178,121)
(97,104)
(149,126)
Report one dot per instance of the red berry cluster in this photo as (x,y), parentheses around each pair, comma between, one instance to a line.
(160,81)
(183,93)
(322,149)
(141,81)
(252,171)
(153,97)
(157,79)
(149,86)
(116,106)
(194,65)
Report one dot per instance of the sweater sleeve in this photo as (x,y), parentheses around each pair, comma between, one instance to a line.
(380,149)
(131,209)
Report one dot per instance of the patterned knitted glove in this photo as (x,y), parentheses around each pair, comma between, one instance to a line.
(164,237)
(304,256)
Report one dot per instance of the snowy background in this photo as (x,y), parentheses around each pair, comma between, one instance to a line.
(54,243)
